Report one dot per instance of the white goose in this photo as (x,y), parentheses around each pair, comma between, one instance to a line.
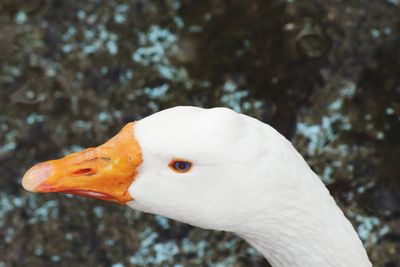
(215,169)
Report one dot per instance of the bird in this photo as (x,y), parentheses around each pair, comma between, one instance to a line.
(215,169)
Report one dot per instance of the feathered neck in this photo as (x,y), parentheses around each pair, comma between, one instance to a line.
(299,223)
(311,231)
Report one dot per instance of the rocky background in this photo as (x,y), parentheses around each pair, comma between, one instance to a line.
(325,73)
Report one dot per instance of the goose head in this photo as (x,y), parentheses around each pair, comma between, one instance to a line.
(211,168)
(198,166)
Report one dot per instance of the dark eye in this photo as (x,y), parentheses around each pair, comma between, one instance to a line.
(180,165)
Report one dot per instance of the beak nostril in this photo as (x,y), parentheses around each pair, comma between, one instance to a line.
(106,158)
(85,171)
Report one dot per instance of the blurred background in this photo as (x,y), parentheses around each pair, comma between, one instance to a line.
(325,73)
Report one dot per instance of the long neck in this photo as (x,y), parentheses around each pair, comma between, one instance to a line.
(310,231)
(307,247)
(292,218)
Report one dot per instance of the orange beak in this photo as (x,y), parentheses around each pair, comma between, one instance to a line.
(104,172)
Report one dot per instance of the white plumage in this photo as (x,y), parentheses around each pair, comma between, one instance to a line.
(246,178)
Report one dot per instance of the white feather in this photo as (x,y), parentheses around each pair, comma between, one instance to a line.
(246,178)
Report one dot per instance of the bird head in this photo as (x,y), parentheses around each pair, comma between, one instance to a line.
(199,166)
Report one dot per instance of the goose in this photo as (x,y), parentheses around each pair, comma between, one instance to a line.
(214,169)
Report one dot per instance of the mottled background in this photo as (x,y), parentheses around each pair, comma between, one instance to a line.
(325,73)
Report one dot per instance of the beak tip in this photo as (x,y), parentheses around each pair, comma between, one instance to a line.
(35,176)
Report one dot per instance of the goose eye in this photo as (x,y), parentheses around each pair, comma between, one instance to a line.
(180,165)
